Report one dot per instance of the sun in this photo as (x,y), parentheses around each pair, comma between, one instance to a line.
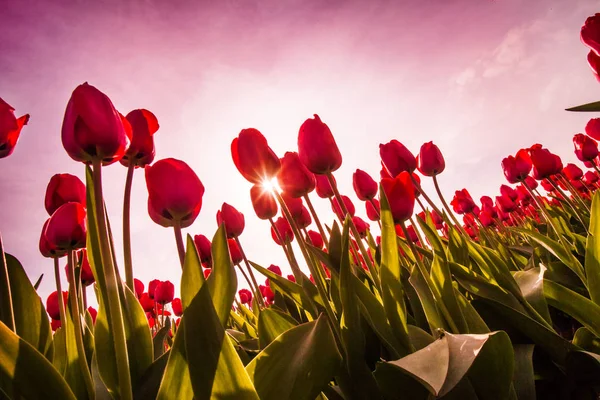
(271,185)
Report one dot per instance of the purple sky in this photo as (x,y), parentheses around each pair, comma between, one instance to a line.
(480,78)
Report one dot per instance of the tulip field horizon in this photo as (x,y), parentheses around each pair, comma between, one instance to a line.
(364,226)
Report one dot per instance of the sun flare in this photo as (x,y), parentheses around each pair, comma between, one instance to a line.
(271,185)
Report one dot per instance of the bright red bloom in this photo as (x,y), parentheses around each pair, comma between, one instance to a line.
(152,287)
(93,129)
(177,307)
(48,249)
(293,177)
(505,204)
(138,287)
(304,219)
(245,296)
(509,192)
(235,251)
(284,229)
(430,160)
(572,172)
(590,33)
(547,185)
(93,313)
(586,148)
(487,206)
(253,157)
(592,128)
(164,292)
(86,275)
(203,247)
(324,189)
(335,206)
(486,218)
(52,306)
(400,196)
(373,209)
(315,239)
(66,229)
(396,158)
(589,178)
(544,162)
(10,128)
(263,202)
(174,193)
(361,226)
(291,278)
(63,188)
(141,150)
(233,220)
(517,168)
(147,303)
(462,202)
(294,205)
(531,182)
(365,187)
(524,196)
(275,269)
(55,324)
(267,293)
(594,63)
(317,148)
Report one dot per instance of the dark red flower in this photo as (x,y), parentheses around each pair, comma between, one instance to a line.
(508,192)
(524,196)
(284,229)
(48,249)
(335,205)
(487,206)
(544,162)
(147,303)
(365,187)
(275,269)
(317,148)
(253,157)
(235,251)
(138,287)
(293,177)
(586,148)
(517,168)
(93,129)
(462,202)
(593,60)
(397,158)
(86,275)
(10,128)
(245,296)
(315,239)
(152,287)
(233,220)
(361,226)
(530,182)
(174,193)
(572,172)
(304,219)
(52,306)
(294,205)
(430,160)
(291,278)
(547,185)
(590,33)
(505,204)
(63,188)
(164,292)
(177,307)
(486,218)
(203,247)
(324,189)
(589,178)
(373,209)
(267,293)
(55,324)
(400,196)
(143,127)
(592,128)
(263,202)
(93,313)
(66,229)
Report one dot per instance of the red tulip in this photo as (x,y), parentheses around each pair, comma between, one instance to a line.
(594,63)
(572,172)
(291,278)
(487,206)
(63,188)
(48,249)
(517,168)
(590,33)
(93,129)
(361,226)
(462,203)
(430,160)
(138,287)
(524,197)
(547,185)
(589,178)
(66,229)
(412,234)
(323,188)
(317,148)
(373,209)
(505,204)
(207,271)
(152,287)
(586,148)
(335,205)
(315,239)
(284,229)
(294,205)
(203,246)
(233,220)
(364,186)
(263,202)
(164,292)
(267,293)
(397,158)
(592,128)
(55,324)
(10,128)
(141,150)
(531,182)
(174,193)
(235,252)
(253,157)
(93,313)
(304,219)
(293,177)
(275,269)
(52,306)
(245,296)
(400,195)
(486,218)
(147,303)
(86,275)
(177,307)
(509,192)
(544,162)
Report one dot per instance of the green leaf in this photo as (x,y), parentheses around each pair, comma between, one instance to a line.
(524,378)
(592,252)
(595,106)
(586,340)
(583,368)
(176,383)
(148,385)
(427,300)
(531,283)
(271,324)
(222,283)
(28,371)
(37,283)
(442,280)
(159,339)
(192,277)
(298,364)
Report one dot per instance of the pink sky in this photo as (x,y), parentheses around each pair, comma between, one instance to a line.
(480,78)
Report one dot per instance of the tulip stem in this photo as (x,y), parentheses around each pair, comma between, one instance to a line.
(317,221)
(256,288)
(61,304)
(114,306)
(574,191)
(446,206)
(288,252)
(569,203)
(76,314)
(376,213)
(127,228)
(6,307)
(179,241)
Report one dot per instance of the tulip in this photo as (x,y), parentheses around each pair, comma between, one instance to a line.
(589,178)
(590,33)
(93,313)
(141,150)
(64,188)
(267,293)
(594,63)
(233,220)
(335,205)
(586,148)
(317,148)
(572,172)
(304,219)
(55,324)
(294,178)
(430,160)
(291,278)
(548,187)
(152,287)
(164,292)
(294,205)
(275,269)
(396,158)
(373,209)
(147,303)
(364,186)
(48,249)
(207,271)
(86,275)
(52,306)
(245,296)
(517,168)
(462,203)
(174,193)
(177,307)
(138,287)
(523,196)
(315,239)
(530,182)
(361,226)
(10,128)
(263,202)
(400,196)
(284,229)
(234,251)
(592,128)
(505,204)
(253,157)
(93,129)
(544,163)
(66,229)
(486,218)
(203,246)
(509,192)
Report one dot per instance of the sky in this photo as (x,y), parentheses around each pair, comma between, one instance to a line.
(479,78)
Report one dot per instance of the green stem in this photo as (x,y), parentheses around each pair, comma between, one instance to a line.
(317,221)
(179,241)
(568,201)
(61,304)
(6,307)
(447,207)
(127,228)
(574,192)
(252,277)
(114,305)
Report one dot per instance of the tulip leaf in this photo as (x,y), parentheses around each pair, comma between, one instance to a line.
(28,371)
(176,383)
(37,283)
(148,385)
(442,280)
(427,300)
(271,324)
(531,283)
(524,376)
(595,106)
(298,364)
(159,339)
(592,252)
(586,340)
(192,277)
(222,283)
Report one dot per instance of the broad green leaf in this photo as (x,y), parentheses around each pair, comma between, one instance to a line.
(148,385)
(159,339)
(442,280)
(583,368)
(298,364)
(595,106)
(531,283)
(271,324)
(474,321)
(524,376)
(29,372)
(427,300)
(222,283)
(192,277)
(176,383)
(586,340)
(592,252)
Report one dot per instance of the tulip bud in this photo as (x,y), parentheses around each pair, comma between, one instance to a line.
(523,196)
(152,287)
(505,204)
(364,186)
(509,192)
(66,229)
(275,269)
(400,196)
(52,305)
(315,239)
(64,188)
(430,160)
(55,324)
(93,313)
(397,158)
(294,205)
(486,218)
(174,193)
(293,177)
(10,128)
(544,162)
(304,219)
(548,187)
(235,251)
(592,128)
(177,307)
(141,150)
(589,178)
(586,148)
(324,189)
(147,303)
(517,168)
(85,275)
(164,292)
(373,209)
(284,229)
(590,33)
(203,246)
(462,203)
(317,148)
(245,296)
(335,205)
(236,256)
(572,172)
(48,249)
(361,226)
(139,287)
(531,182)
(233,220)
(263,202)
(253,157)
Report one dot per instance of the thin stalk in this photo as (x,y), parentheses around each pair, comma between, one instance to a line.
(414,225)
(376,212)
(252,277)
(84,297)
(317,221)
(114,306)
(179,241)
(574,192)
(290,257)
(6,306)
(127,228)
(76,314)
(247,280)
(61,304)
(569,202)
(427,199)
(446,206)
